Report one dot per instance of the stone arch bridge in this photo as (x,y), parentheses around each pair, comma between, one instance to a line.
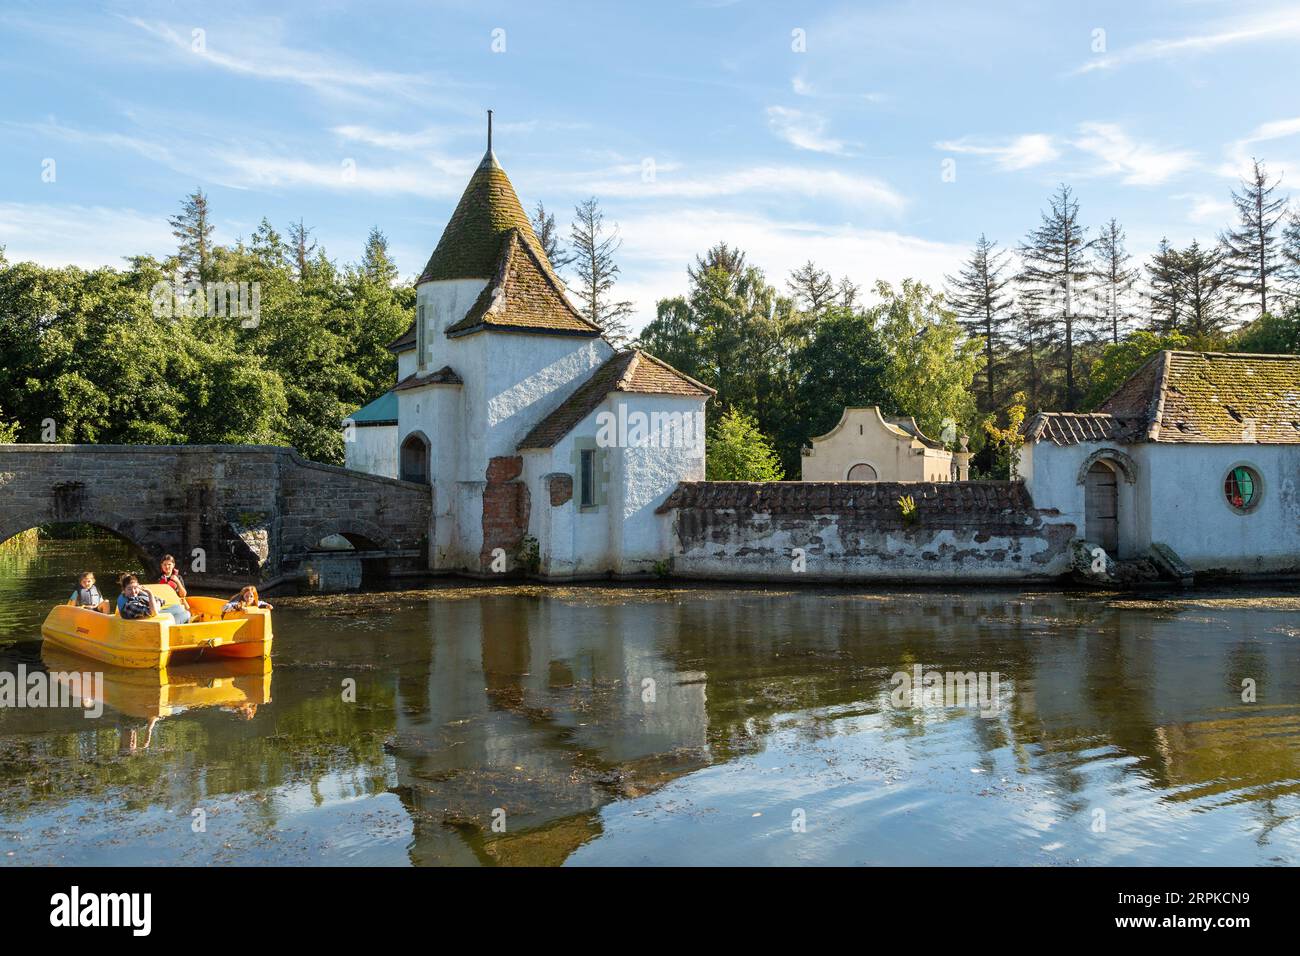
(252,513)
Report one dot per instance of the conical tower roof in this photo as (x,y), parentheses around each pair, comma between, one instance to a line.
(487,211)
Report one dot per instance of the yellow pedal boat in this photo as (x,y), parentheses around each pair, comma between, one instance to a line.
(158,641)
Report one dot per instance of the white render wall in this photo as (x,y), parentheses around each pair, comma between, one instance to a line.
(372,450)
(622,534)
(862,437)
(1177,499)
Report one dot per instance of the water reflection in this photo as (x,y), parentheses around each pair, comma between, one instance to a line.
(532,726)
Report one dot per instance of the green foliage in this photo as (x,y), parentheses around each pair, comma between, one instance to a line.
(1270,334)
(930,363)
(1118,362)
(1007,441)
(738,451)
(907,508)
(87,350)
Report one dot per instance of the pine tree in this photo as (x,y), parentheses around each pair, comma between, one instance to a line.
(549,236)
(194,230)
(1251,251)
(1165,289)
(593,252)
(1206,290)
(811,288)
(1291,256)
(1055,268)
(1116,277)
(301,248)
(977,295)
(376,264)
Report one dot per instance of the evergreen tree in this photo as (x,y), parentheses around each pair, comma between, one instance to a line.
(193,228)
(593,256)
(1206,290)
(549,236)
(1165,290)
(1056,268)
(376,264)
(1291,256)
(301,248)
(1252,250)
(1116,277)
(811,288)
(978,295)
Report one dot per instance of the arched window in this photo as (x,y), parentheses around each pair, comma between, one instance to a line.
(415,459)
(862,472)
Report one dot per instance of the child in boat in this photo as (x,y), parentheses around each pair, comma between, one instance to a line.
(172,578)
(247,597)
(135,602)
(87,595)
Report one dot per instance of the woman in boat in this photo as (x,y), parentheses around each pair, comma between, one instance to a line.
(171,577)
(87,595)
(247,597)
(135,602)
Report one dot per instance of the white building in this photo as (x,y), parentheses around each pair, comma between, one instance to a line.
(1198,451)
(542,444)
(867,446)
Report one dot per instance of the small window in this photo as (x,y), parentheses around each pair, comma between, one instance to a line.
(587,478)
(1242,488)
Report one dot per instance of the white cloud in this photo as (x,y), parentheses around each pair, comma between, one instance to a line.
(266,59)
(779,182)
(801,86)
(1242,151)
(802,130)
(1140,164)
(1206,208)
(1281,23)
(86,236)
(658,246)
(1023,152)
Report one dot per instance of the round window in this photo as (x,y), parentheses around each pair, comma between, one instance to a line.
(1242,488)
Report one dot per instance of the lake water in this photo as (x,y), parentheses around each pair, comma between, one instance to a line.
(600,725)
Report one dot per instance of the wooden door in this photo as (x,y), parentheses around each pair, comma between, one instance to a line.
(1101,507)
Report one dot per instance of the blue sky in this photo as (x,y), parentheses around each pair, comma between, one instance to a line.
(693,122)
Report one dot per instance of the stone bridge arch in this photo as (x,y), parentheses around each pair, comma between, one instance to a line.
(254,511)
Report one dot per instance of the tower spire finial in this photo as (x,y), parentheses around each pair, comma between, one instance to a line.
(489,131)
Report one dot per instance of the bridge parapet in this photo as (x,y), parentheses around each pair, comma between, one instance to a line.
(230,513)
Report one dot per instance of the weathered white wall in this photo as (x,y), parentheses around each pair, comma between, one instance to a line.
(863,437)
(960,534)
(372,450)
(1177,499)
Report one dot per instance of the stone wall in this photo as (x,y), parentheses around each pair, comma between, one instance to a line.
(789,531)
(254,511)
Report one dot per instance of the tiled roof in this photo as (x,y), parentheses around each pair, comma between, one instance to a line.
(628,371)
(1070,428)
(444,376)
(908,424)
(487,210)
(1210,397)
(1219,397)
(523,296)
(382,411)
(404,342)
(849,497)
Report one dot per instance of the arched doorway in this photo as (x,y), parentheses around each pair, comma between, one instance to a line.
(415,459)
(1101,506)
(862,472)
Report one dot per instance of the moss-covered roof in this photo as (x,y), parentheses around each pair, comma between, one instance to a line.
(522,296)
(487,210)
(1192,397)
